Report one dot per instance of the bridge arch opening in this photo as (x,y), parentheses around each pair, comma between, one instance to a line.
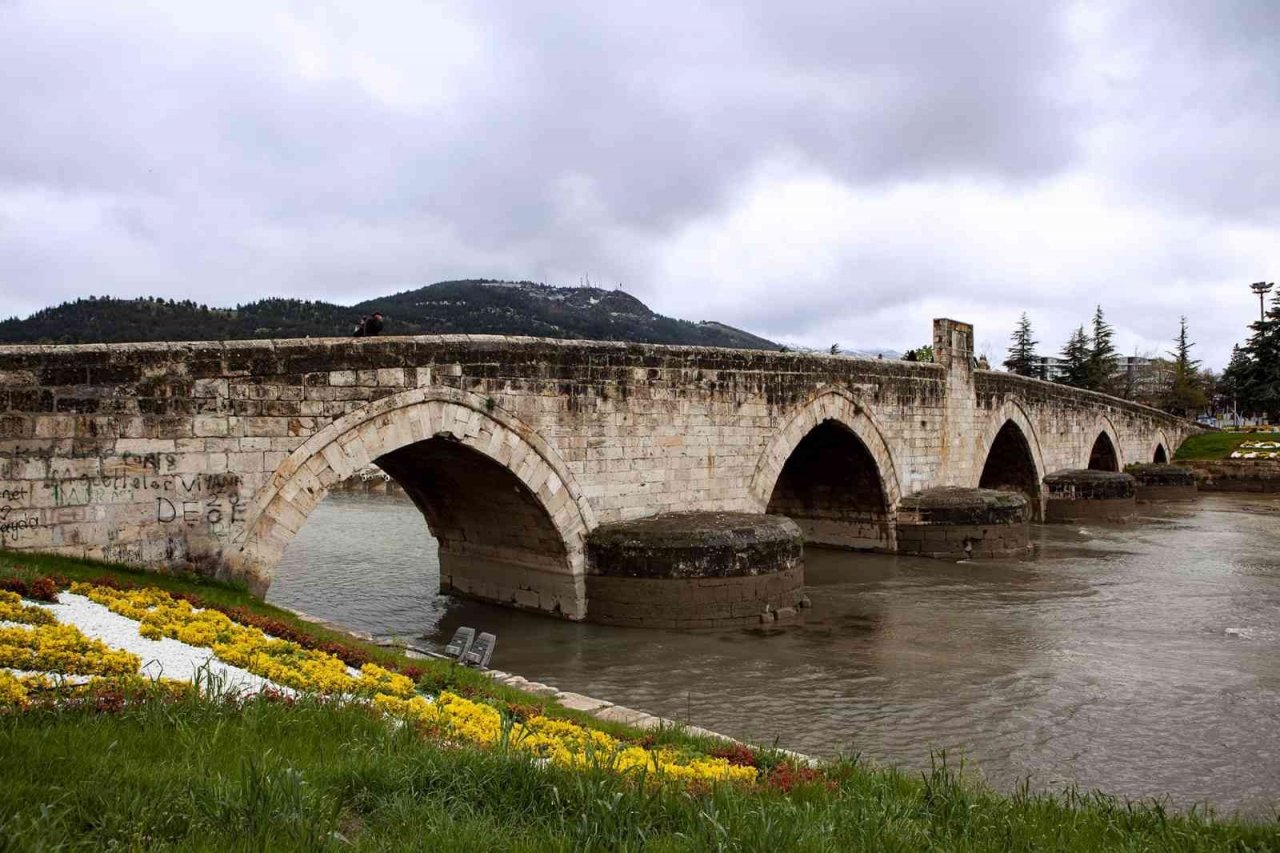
(831,487)
(509,522)
(1011,467)
(1161,456)
(1103,456)
(493,532)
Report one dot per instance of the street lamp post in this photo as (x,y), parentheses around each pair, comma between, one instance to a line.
(1262,288)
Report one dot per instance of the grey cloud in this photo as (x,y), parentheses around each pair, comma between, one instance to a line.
(586,137)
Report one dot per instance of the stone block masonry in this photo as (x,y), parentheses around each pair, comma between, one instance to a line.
(1084,495)
(210,456)
(952,522)
(695,570)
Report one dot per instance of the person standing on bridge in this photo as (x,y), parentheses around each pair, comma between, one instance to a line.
(359,330)
(373,326)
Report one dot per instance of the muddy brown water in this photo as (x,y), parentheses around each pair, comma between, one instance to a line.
(1142,660)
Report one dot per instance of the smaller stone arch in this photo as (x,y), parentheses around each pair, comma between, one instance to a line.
(1161,452)
(1104,453)
(1010,455)
(385,429)
(835,426)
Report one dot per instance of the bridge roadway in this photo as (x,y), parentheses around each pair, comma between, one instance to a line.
(210,456)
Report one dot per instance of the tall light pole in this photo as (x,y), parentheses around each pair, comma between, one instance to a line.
(1262,288)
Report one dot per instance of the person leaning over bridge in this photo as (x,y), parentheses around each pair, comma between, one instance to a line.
(359,329)
(373,326)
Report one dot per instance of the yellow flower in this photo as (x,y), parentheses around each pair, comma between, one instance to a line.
(13,610)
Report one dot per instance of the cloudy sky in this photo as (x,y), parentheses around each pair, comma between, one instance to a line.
(811,171)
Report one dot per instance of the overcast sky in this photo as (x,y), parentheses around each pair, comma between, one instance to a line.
(814,172)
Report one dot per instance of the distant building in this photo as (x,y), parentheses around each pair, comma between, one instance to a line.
(1048,367)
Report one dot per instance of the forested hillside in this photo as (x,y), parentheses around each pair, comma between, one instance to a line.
(451,307)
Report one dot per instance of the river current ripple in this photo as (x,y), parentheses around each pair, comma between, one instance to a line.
(1142,660)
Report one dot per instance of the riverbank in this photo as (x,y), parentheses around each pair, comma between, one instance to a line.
(1257,476)
(173,768)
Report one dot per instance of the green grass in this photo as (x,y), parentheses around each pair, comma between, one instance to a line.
(440,675)
(189,774)
(1213,445)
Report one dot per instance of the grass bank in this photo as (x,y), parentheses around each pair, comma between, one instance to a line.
(174,770)
(1213,445)
(312,776)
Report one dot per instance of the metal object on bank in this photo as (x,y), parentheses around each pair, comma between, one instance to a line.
(481,651)
(460,644)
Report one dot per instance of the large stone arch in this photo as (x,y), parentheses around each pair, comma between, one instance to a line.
(834,412)
(998,425)
(408,419)
(1103,426)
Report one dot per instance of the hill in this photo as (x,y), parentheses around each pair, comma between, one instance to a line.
(449,307)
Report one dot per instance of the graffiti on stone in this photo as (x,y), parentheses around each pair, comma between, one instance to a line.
(15,519)
(213,511)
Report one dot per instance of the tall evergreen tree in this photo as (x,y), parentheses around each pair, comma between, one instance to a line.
(1184,394)
(1262,379)
(1102,360)
(1075,360)
(1232,383)
(1022,350)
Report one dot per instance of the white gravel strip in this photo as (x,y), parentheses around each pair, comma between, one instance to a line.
(167,658)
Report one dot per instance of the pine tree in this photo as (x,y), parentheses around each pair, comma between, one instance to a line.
(1262,378)
(1231,385)
(1022,351)
(1102,361)
(1184,394)
(1075,360)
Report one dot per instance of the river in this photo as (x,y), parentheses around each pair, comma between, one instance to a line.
(1142,660)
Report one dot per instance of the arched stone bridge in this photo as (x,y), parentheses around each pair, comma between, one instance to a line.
(212,455)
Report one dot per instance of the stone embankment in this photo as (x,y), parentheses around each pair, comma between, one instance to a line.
(1233,475)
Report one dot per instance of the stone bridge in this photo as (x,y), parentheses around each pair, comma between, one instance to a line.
(210,456)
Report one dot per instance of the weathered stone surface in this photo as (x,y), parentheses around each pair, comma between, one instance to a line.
(1236,475)
(1159,482)
(1084,495)
(951,522)
(693,570)
(578,702)
(695,545)
(210,456)
(959,505)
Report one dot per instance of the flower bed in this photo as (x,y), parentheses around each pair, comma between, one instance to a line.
(62,649)
(1257,450)
(13,610)
(36,643)
(558,741)
(282,661)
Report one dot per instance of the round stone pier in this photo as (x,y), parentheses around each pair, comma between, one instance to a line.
(1084,495)
(952,522)
(1163,482)
(695,570)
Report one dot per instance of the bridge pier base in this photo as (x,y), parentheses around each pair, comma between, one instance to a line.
(952,522)
(515,585)
(1155,482)
(695,570)
(1087,495)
